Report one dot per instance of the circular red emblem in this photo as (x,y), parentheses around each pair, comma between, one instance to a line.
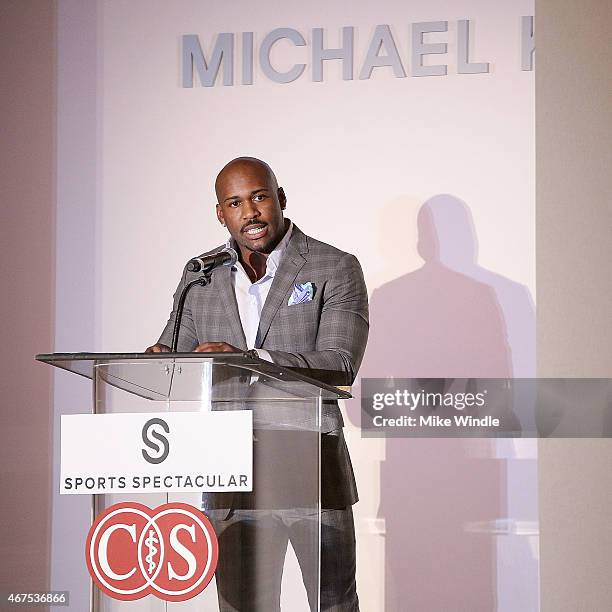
(170,551)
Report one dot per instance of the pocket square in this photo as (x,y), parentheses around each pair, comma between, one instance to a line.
(302,292)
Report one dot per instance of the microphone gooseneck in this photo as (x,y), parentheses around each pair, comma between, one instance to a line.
(206,265)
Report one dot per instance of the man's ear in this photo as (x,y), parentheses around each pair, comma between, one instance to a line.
(220,215)
(282,198)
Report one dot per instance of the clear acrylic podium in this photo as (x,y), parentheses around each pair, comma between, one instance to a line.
(286,412)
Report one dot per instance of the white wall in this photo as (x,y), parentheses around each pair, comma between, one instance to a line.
(357,159)
(354,156)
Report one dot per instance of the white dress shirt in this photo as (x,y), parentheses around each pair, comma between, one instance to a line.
(251,297)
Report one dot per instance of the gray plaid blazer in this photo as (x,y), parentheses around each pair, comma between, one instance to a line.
(327,334)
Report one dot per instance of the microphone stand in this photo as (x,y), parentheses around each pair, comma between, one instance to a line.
(203,281)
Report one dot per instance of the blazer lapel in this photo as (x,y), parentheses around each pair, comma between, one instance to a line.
(291,263)
(222,283)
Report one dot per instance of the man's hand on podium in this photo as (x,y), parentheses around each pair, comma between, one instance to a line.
(158,348)
(216,347)
(205,347)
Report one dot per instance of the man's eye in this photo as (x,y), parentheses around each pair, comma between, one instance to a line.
(233,204)
(260,197)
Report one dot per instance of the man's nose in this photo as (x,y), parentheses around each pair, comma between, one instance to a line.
(250,210)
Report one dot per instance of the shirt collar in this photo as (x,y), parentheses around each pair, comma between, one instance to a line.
(276,255)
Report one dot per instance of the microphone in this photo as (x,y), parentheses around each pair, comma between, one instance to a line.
(226,257)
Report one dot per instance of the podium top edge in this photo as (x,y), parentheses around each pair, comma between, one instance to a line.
(321,379)
(44,357)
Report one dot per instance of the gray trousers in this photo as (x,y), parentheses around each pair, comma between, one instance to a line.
(252,548)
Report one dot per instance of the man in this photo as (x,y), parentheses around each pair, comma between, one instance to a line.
(299,303)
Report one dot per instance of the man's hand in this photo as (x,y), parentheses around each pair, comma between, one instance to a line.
(216,347)
(158,348)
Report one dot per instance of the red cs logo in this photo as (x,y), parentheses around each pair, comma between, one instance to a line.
(171,551)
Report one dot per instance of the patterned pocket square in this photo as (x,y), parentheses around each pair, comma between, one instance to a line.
(302,292)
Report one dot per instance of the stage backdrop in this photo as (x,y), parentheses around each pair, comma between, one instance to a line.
(413,149)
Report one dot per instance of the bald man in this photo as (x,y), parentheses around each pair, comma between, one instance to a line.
(297,302)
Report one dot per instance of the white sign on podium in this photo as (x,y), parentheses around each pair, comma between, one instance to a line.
(157,452)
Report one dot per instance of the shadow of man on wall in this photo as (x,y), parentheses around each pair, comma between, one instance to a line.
(449,318)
